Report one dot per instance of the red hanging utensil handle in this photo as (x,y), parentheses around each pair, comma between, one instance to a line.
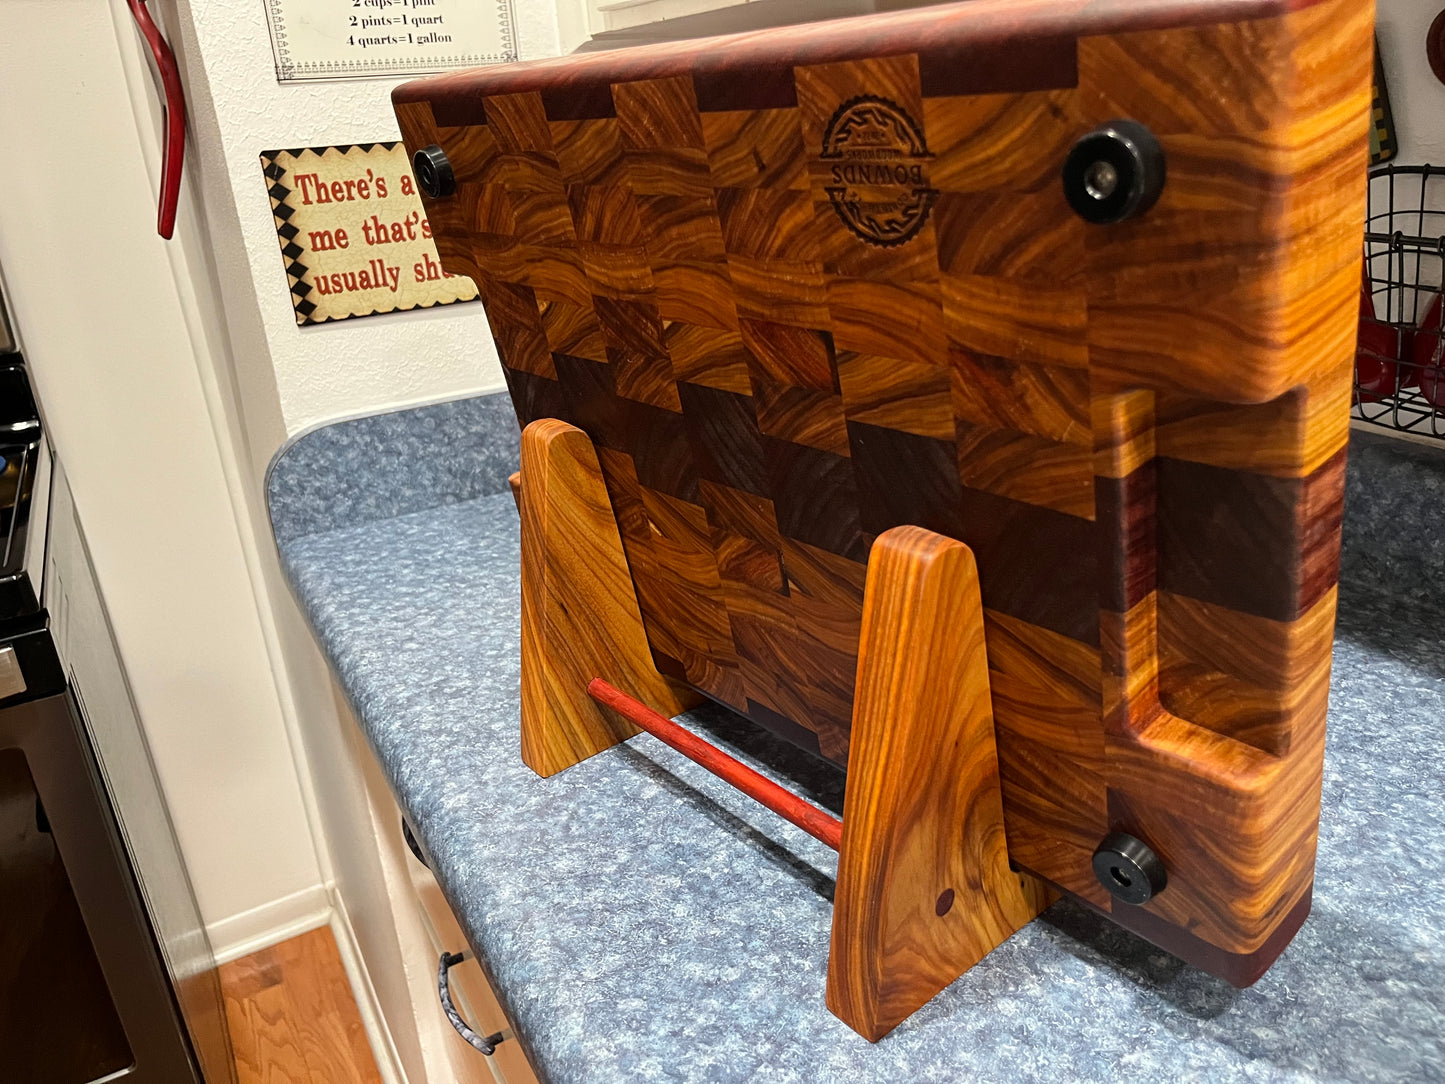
(822,826)
(175,116)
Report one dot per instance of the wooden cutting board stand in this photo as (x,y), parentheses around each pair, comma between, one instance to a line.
(924,887)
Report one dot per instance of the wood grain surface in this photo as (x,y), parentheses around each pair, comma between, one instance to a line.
(579,612)
(293,1018)
(924,886)
(1137,429)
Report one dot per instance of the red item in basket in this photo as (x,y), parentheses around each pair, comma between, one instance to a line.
(1428,354)
(1375,353)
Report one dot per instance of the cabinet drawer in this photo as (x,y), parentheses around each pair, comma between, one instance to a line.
(471,991)
(440,921)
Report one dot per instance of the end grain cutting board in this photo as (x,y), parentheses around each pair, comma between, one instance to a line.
(801,286)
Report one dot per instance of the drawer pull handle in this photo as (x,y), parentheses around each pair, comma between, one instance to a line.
(409,838)
(485,1046)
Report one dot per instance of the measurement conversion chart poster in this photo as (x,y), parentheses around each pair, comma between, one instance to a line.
(344,39)
(354,237)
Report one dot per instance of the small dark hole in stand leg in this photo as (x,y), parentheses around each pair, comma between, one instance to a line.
(1120,876)
(945,902)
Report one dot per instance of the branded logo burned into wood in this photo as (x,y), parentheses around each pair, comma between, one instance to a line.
(879,176)
(354,236)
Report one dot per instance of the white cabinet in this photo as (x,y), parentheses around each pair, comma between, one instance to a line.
(471,992)
(402,926)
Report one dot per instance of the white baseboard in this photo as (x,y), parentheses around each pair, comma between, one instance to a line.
(261,927)
(388,1061)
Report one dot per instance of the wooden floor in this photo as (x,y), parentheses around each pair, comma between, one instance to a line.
(293,1018)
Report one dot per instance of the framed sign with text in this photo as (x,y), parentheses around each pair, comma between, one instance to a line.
(345,39)
(354,236)
(1383,145)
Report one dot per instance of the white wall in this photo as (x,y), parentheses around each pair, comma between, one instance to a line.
(273,380)
(113,348)
(170,374)
(1417,98)
(355,366)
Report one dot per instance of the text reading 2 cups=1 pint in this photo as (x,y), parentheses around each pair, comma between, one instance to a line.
(366,22)
(373,22)
(382,5)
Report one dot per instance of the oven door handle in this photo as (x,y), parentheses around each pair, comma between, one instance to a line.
(174,109)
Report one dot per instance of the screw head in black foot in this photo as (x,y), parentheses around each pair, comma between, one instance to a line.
(434,172)
(1129,868)
(1114,172)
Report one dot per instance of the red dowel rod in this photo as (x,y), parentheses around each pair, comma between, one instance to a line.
(822,826)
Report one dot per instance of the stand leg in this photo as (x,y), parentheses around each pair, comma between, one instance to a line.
(580,618)
(924,886)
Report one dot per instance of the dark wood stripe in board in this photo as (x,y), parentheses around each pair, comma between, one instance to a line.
(1322,514)
(725,440)
(1124,512)
(590,100)
(724,87)
(784,727)
(536,397)
(1238,969)
(883,34)
(815,497)
(661,452)
(592,401)
(1024,64)
(1250,542)
(904,479)
(667,666)
(1129,16)
(1034,563)
(458,108)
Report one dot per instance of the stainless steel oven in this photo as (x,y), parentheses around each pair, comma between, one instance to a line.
(105,970)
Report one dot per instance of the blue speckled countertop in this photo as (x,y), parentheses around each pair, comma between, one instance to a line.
(646,922)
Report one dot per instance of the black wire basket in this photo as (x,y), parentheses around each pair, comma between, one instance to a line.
(1400,354)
